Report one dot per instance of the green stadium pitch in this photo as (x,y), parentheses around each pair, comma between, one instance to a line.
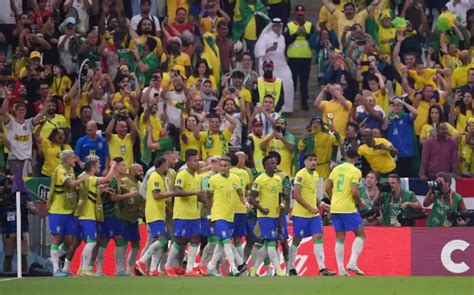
(241,286)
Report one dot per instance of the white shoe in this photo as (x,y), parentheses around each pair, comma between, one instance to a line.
(343,274)
(354,268)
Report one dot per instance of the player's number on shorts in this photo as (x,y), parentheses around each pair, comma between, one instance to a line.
(340,183)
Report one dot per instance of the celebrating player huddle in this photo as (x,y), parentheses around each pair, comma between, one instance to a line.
(215,210)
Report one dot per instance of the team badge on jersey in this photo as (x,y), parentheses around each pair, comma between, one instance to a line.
(299,179)
(123,149)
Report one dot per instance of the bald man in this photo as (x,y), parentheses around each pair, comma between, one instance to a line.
(92,144)
(121,143)
(459,76)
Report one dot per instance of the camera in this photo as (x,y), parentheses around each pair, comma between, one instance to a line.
(452,215)
(278,129)
(373,211)
(434,185)
(384,187)
(408,219)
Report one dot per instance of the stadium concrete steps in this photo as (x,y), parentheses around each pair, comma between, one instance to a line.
(299,119)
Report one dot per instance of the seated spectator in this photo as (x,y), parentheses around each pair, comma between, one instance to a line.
(378,152)
(265,113)
(440,153)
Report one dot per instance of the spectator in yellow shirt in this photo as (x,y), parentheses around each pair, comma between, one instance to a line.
(378,152)
(338,107)
(51,147)
(459,76)
(121,143)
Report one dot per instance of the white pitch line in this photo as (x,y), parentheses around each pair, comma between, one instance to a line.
(10,279)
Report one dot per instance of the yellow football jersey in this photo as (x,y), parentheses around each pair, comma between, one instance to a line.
(308,182)
(155,209)
(186,207)
(88,211)
(343,177)
(244,182)
(268,189)
(224,191)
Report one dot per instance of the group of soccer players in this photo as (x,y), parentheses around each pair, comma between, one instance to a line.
(213,209)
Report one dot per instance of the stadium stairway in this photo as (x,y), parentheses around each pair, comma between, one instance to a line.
(299,119)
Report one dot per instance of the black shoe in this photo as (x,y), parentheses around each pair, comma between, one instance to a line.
(242,268)
(304,105)
(326,273)
(292,273)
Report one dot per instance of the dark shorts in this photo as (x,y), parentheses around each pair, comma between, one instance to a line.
(130,231)
(240,225)
(88,229)
(304,227)
(346,221)
(223,229)
(186,228)
(110,228)
(62,224)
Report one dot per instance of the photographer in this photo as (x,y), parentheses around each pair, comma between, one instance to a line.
(447,204)
(369,193)
(8,225)
(399,206)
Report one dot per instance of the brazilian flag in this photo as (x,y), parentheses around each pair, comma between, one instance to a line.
(242,15)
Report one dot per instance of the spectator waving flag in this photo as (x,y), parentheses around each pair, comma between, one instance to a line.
(243,14)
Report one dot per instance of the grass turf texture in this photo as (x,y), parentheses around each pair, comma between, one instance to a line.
(241,286)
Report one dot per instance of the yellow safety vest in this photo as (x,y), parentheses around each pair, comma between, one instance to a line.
(272,2)
(258,153)
(269,88)
(300,47)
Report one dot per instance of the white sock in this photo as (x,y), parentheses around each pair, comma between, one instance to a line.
(100,259)
(339,249)
(192,253)
(67,265)
(207,253)
(238,259)
(149,241)
(62,249)
(253,255)
(54,259)
(319,254)
(273,255)
(152,249)
(357,247)
(120,258)
(163,258)
(240,249)
(261,254)
(292,252)
(87,255)
(216,256)
(230,257)
(132,258)
(172,254)
(156,258)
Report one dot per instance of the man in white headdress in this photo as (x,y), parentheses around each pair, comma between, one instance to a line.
(271,46)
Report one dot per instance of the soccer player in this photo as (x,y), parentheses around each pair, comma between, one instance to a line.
(186,216)
(206,230)
(240,216)
(306,219)
(112,227)
(343,187)
(224,188)
(155,215)
(130,205)
(62,201)
(89,208)
(268,189)
(284,207)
